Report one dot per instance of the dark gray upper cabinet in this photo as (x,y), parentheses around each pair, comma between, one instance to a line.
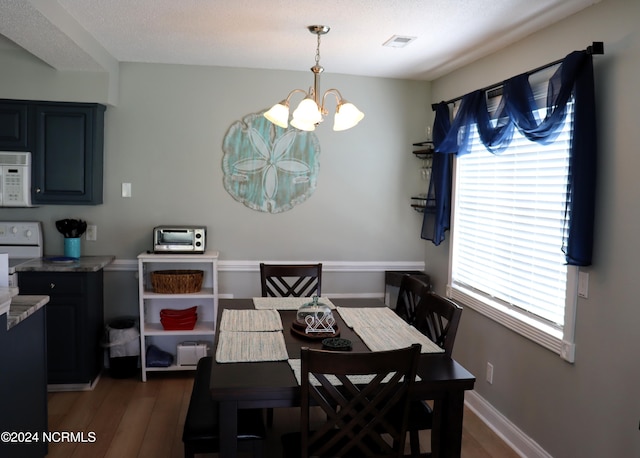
(66,141)
(68,155)
(14,126)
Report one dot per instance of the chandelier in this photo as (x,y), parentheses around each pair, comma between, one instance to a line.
(311,110)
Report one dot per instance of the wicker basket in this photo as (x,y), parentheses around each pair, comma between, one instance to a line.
(176,281)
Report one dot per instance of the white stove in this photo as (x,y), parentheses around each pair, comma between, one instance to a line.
(22,240)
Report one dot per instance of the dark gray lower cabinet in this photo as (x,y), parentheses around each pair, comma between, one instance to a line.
(23,386)
(75,323)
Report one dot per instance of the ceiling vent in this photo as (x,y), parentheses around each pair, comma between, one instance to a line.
(398,41)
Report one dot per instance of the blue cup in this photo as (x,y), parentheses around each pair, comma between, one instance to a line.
(72,247)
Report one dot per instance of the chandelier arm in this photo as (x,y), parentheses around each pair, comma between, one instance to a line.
(293,92)
(336,93)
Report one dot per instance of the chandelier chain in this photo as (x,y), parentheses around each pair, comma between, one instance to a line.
(318,51)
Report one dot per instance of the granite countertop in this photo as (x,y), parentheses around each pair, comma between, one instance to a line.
(6,293)
(24,306)
(83,264)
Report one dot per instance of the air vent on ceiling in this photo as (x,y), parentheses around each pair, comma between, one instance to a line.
(398,41)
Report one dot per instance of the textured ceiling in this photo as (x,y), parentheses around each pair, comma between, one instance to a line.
(90,35)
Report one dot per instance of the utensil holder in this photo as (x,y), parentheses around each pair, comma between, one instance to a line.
(72,247)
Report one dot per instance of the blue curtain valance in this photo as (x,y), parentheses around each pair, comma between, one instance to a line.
(517,109)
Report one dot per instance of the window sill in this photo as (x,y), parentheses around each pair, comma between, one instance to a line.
(544,335)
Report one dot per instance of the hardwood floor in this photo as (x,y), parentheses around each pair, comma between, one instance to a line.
(134,419)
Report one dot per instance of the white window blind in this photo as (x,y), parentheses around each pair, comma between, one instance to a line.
(509,214)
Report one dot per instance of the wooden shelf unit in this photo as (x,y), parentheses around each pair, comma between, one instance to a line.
(150,302)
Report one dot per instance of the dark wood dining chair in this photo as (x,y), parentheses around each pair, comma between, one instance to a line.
(291,280)
(412,289)
(437,318)
(356,408)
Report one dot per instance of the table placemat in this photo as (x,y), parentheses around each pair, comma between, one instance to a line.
(370,317)
(250,320)
(296,367)
(395,337)
(286,303)
(237,347)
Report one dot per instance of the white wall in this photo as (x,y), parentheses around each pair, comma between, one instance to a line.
(590,408)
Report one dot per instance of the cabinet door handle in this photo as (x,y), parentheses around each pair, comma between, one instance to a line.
(52,285)
(38,190)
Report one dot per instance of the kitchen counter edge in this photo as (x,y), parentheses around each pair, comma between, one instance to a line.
(23,307)
(83,264)
(6,293)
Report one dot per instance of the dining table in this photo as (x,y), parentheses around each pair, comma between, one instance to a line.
(257,346)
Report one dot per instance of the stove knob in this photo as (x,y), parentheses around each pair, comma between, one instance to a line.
(28,233)
(14,230)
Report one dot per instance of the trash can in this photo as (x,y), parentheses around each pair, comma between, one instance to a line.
(123,341)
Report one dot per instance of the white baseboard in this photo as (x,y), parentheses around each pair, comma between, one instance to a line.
(522,444)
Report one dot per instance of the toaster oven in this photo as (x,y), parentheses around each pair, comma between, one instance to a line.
(179,239)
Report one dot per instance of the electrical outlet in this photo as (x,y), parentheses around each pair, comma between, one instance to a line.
(490,373)
(583,284)
(92,232)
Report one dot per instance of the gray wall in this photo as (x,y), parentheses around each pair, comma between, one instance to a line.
(165,137)
(590,408)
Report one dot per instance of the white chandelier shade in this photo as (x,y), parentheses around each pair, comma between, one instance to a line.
(310,112)
(347,116)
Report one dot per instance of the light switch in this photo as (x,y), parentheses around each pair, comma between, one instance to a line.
(126,189)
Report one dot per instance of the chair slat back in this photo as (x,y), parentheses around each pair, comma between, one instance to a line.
(412,289)
(291,280)
(356,409)
(438,317)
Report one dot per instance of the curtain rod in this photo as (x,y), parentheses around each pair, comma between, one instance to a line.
(597,47)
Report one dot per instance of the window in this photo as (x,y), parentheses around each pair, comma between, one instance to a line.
(526,288)
(507,234)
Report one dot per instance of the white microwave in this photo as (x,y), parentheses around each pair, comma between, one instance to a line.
(15,179)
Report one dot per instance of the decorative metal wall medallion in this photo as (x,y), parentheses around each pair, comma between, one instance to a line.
(268,168)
